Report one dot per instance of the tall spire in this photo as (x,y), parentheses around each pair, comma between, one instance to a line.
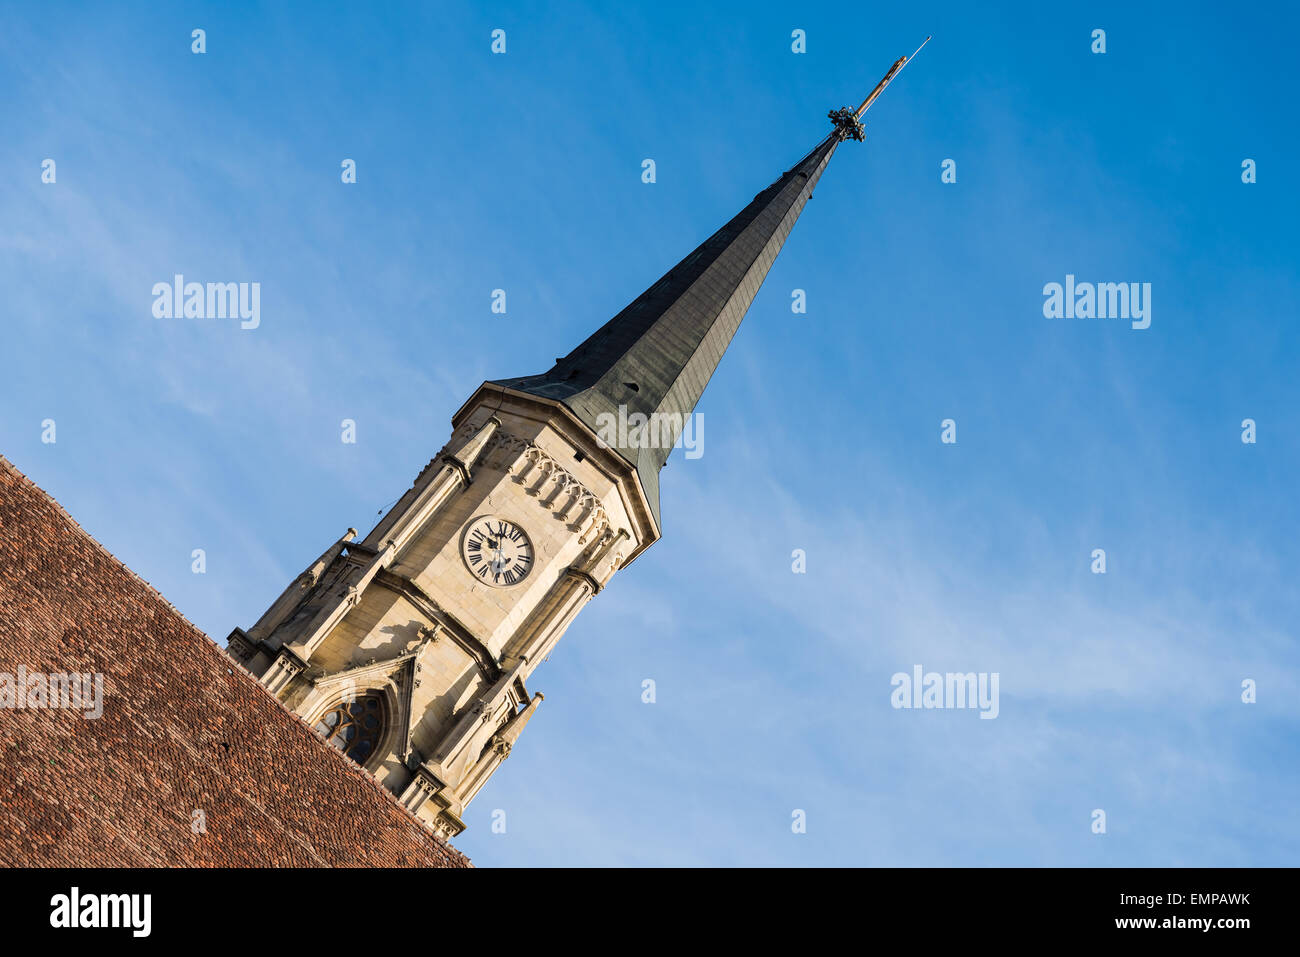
(431,642)
(658,354)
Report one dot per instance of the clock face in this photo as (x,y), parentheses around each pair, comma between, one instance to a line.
(497,552)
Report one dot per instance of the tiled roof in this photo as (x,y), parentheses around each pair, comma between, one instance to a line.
(184,729)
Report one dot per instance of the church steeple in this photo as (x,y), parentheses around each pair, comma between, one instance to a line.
(412,650)
(656,356)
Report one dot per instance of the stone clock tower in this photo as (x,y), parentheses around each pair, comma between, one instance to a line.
(412,649)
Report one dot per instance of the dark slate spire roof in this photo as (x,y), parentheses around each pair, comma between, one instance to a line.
(657,355)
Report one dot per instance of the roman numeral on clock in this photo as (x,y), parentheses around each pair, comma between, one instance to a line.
(497,551)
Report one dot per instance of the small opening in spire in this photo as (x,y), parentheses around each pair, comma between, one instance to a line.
(633,386)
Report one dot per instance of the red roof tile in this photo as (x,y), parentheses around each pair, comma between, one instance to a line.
(184,729)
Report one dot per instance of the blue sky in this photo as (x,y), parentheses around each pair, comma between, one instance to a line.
(523,171)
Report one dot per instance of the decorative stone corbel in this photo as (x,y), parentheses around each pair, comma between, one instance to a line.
(286,667)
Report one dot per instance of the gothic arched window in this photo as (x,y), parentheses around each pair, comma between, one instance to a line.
(354,727)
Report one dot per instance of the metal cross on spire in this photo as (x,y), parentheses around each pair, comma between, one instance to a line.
(849,122)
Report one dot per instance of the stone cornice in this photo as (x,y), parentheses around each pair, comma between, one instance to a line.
(614,465)
(554,487)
